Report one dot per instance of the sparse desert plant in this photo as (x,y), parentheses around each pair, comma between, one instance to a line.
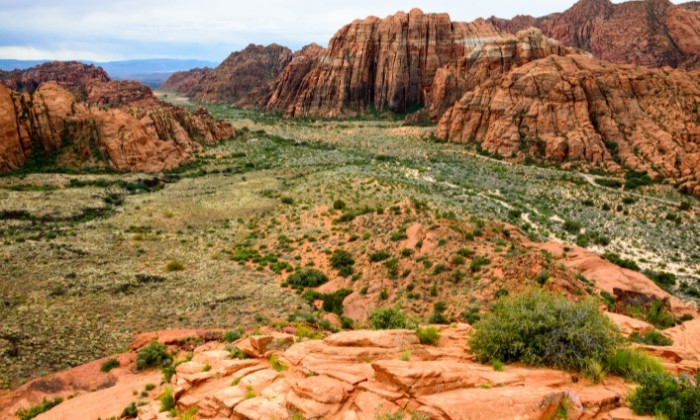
(154,355)
(233,335)
(308,277)
(130,411)
(167,401)
(652,338)
(387,318)
(342,261)
(109,364)
(174,265)
(631,362)
(44,406)
(428,335)
(540,328)
(662,394)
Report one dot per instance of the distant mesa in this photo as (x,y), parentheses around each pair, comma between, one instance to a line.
(73,113)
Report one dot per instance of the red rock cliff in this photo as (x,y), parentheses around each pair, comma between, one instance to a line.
(652,33)
(387,63)
(71,75)
(582,111)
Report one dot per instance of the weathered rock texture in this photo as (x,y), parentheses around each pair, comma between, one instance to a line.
(579,110)
(652,33)
(254,67)
(277,97)
(386,63)
(71,75)
(121,124)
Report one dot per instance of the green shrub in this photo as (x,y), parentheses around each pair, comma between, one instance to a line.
(540,328)
(174,265)
(153,355)
(276,364)
(130,411)
(622,262)
(652,338)
(398,236)
(233,335)
(287,200)
(497,365)
(379,256)
(572,226)
(662,394)
(342,261)
(332,302)
(428,335)
(631,362)
(339,205)
(44,406)
(109,364)
(477,263)
(307,277)
(661,278)
(387,318)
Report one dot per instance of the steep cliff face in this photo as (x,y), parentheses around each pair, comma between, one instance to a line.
(493,59)
(121,124)
(386,63)
(71,75)
(274,97)
(652,33)
(582,111)
(241,72)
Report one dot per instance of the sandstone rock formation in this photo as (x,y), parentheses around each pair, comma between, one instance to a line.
(235,77)
(652,33)
(275,98)
(184,81)
(355,374)
(121,124)
(582,111)
(385,63)
(71,75)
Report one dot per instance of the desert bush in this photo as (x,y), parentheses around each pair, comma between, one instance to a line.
(109,364)
(44,406)
(308,277)
(572,226)
(387,318)
(540,328)
(174,265)
(339,205)
(428,335)
(130,411)
(342,261)
(662,394)
(233,335)
(379,256)
(153,355)
(652,338)
(167,401)
(622,262)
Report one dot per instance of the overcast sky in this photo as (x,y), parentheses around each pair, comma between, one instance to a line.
(102,30)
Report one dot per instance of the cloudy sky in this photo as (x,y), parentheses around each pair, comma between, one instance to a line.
(102,30)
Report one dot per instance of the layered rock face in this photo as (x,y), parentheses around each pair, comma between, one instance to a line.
(236,76)
(652,33)
(385,63)
(588,112)
(71,75)
(277,97)
(493,59)
(120,124)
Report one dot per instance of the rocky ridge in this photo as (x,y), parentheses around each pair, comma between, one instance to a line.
(652,33)
(254,67)
(120,124)
(580,111)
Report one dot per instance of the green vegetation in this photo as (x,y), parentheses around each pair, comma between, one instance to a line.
(652,338)
(428,335)
(631,362)
(174,265)
(540,328)
(307,277)
(167,401)
(387,318)
(662,394)
(342,261)
(154,355)
(42,407)
(109,364)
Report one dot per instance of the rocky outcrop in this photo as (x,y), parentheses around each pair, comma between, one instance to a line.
(141,135)
(491,60)
(70,75)
(385,63)
(276,97)
(184,81)
(241,72)
(348,375)
(577,110)
(652,33)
